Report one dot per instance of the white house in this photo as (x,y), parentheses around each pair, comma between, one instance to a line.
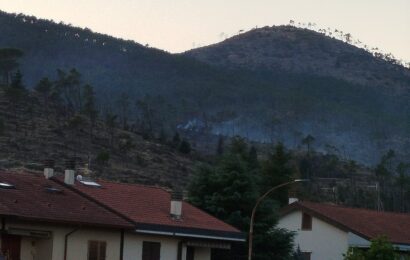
(325,232)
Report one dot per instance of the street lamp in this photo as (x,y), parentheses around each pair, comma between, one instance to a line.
(256,206)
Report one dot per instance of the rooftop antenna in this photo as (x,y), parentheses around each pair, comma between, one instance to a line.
(379,202)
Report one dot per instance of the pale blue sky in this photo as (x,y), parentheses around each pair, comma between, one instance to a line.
(174,25)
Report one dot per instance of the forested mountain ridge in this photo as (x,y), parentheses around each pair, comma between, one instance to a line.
(300,50)
(154,91)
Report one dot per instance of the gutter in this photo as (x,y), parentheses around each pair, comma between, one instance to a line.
(177,234)
(122,245)
(66,241)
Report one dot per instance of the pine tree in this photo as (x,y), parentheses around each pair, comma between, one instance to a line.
(89,108)
(229,191)
(9,63)
(44,88)
(220,148)
(276,170)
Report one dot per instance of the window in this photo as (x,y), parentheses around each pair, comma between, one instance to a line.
(96,250)
(190,253)
(151,250)
(306,221)
(306,255)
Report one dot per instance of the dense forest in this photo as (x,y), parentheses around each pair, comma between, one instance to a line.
(155,93)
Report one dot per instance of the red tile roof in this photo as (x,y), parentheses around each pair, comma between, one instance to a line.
(31,201)
(364,222)
(151,205)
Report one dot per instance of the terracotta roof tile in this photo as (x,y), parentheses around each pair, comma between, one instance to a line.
(151,205)
(30,200)
(368,223)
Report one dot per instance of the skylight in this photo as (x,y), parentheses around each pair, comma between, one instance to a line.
(53,190)
(90,183)
(5,185)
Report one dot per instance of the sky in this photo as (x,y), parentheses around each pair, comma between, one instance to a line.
(179,25)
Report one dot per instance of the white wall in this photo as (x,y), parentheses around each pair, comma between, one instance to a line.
(77,246)
(169,247)
(325,241)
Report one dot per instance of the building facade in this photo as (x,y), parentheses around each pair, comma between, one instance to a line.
(66,218)
(325,232)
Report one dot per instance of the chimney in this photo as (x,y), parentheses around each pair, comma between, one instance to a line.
(48,168)
(176,204)
(69,172)
(292,195)
(293,200)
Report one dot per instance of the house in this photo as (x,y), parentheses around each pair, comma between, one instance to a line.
(41,219)
(69,218)
(325,232)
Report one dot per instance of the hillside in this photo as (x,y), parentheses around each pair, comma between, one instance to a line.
(153,91)
(299,50)
(31,133)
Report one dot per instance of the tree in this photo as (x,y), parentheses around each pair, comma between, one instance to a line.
(8,62)
(308,140)
(44,88)
(16,92)
(403,182)
(103,157)
(16,89)
(253,158)
(123,103)
(111,123)
(68,87)
(229,190)
(220,147)
(276,170)
(380,248)
(89,106)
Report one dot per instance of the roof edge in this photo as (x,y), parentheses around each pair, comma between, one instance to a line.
(190,232)
(299,206)
(64,222)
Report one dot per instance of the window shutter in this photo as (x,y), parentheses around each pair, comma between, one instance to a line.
(102,251)
(306,222)
(92,250)
(190,253)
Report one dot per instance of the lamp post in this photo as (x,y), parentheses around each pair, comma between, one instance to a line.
(256,206)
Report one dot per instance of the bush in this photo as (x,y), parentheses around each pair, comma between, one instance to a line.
(380,248)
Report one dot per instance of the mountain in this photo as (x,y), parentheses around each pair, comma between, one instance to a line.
(357,107)
(304,51)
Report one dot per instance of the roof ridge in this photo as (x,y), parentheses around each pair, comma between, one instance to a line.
(123,183)
(134,184)
(353,208)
